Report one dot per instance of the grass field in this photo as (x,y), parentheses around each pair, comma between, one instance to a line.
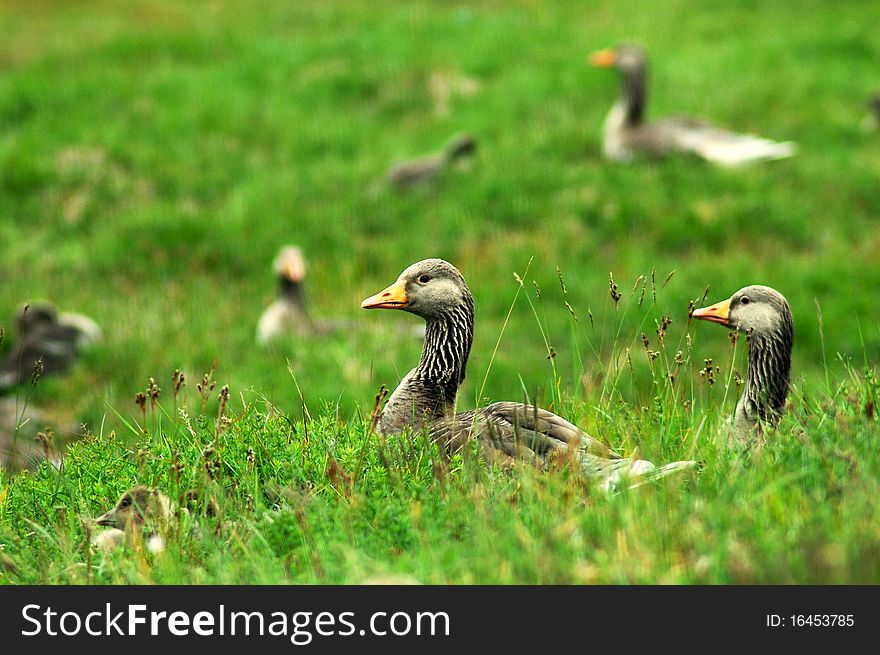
(154,155)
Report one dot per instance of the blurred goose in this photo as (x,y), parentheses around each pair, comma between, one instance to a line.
(626,132)
(46,335)
(871,122)
(427,169)
(436,291)
(140,509)
(25,436)
(288,314)
(763,314)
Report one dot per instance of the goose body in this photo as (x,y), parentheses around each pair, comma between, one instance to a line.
(626,133)
(46,335)
(425,398)
(764,315)
(427,169)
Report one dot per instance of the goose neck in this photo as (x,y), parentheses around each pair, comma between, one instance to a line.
(769,374)
(634,95)
(445,352)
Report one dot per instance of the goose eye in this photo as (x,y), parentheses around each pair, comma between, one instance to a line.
(745,300)
(125,502)
(424,279)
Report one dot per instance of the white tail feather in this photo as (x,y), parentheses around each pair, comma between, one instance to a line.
(731,149)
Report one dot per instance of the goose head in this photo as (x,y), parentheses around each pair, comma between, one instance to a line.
(290,265)
(432,289)
(136,507)
(763,314)
(756,310)
(628,58)
(631,62)
(461,146)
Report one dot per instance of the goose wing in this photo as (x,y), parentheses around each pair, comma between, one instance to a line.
(517,429)
(521,431)
(720,146)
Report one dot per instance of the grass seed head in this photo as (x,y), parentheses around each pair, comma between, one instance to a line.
(223,398)
(662,326)
(561,281)
(178,381)
(38,371)
(709,370)
(140,399)
(612,287)
(205,387)
(153,392)
(45,439)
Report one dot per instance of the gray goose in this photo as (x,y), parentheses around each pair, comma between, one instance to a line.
(437,292)
(764,315)
(140,511)
(427,169)
(871,122)
(626,132)
(25,440)
(288,314)
(47,335)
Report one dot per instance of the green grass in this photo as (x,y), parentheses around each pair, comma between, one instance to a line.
(154,156)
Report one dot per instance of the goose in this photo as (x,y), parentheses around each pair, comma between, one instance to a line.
(47,335)
(427,169)
(22,441)
(871,122)
(626,132)
(764,315)
(140,509)
(436,291)
(288,314)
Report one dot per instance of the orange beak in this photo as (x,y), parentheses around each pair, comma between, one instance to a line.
(603,58)
(394,297)
(717,313)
